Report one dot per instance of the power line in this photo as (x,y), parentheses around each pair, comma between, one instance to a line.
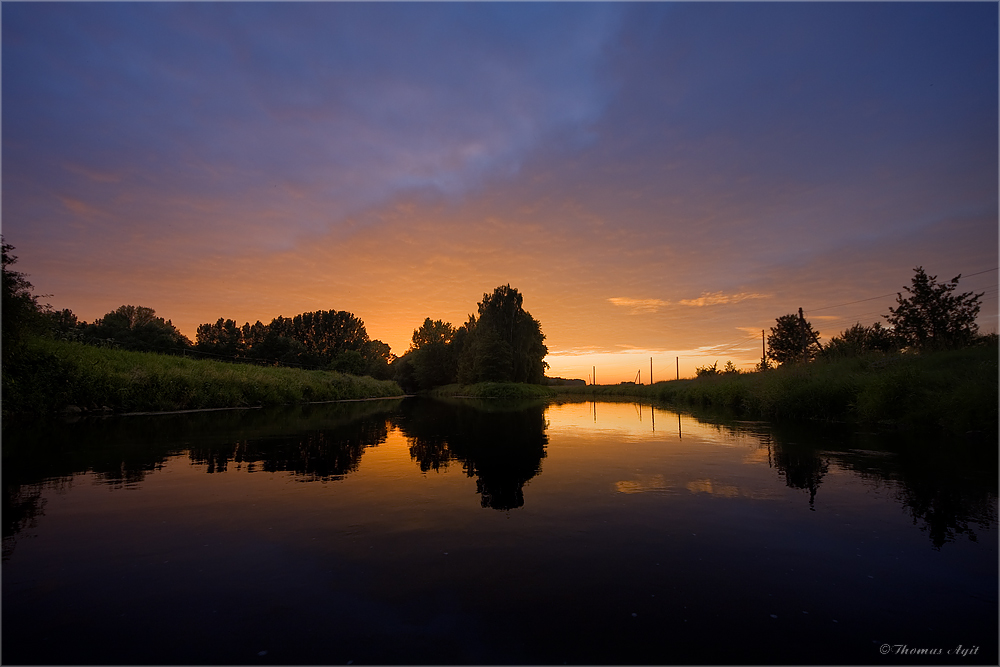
(883,296)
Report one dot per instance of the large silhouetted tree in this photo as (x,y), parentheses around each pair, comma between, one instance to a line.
(792,339)
(505,343)
(932,317)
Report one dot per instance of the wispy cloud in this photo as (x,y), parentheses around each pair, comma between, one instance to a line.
(716,298)
(639,305)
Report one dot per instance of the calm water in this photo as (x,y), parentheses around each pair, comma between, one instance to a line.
(414,531)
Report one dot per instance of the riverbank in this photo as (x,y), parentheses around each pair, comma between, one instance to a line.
(952,391)
(55,376)
(493,390)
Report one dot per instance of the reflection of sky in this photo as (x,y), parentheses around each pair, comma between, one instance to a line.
(630,421)
(658,180)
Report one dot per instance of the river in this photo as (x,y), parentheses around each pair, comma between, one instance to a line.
(417,531)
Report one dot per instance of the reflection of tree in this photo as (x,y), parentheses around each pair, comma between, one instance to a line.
(801,467)
(948,512)
(501,444)
(321,455)
(948,488)
(22,505)
(315,441)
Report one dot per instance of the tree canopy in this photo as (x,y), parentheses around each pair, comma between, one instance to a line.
(932,317)
(505,343)
(860,339)
(138,328)
(332,339)
(432,356)
(792,339)
(20,311)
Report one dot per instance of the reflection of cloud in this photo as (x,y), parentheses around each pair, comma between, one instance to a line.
(639,305)
(715,298)
(761,455)
(707,486)
(642,484)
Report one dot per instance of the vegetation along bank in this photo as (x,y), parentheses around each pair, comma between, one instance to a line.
(929,368)
(954,391)
(52,376)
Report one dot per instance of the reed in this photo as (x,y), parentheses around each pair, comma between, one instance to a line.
(953,391)
(49,376)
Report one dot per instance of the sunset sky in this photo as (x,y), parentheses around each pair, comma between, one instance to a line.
(658,180)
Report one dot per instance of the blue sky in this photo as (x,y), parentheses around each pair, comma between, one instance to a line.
(658,179)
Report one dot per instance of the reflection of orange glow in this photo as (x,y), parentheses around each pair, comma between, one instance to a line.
(642,484)
(707,486)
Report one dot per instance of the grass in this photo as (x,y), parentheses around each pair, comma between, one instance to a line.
(953,391)
(49,376)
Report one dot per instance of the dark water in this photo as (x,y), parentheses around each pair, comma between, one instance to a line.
(422,532)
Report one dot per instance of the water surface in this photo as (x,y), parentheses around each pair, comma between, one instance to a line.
(426,532)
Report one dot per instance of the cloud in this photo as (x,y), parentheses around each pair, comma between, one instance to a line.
(639,305)
(79,208)
(716,298)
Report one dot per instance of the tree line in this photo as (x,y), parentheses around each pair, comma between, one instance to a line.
(503,343)
(931,317)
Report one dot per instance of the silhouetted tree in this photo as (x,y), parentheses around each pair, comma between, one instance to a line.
(505,343)
(792,339)
(860,339)
(138,328)
(20,311)
(706,370)
(431,355)
(378,356)
(350,362)
(224,338)
(65,325)
(333,339)
(932,318)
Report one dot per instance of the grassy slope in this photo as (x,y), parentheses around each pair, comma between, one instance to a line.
(955,391)
(52,375)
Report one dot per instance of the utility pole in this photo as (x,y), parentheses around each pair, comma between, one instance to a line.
(678,367)
(594,375)
(651,371)
(802,334)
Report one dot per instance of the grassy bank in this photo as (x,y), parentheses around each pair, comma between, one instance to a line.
(955,391)
(494,390)
(49,376)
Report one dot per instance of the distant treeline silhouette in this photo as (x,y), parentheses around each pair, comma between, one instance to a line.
(931,318)
(503,343)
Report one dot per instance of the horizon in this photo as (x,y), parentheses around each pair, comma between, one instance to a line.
(657,180)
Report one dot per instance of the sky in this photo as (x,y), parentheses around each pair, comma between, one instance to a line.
(661,181)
